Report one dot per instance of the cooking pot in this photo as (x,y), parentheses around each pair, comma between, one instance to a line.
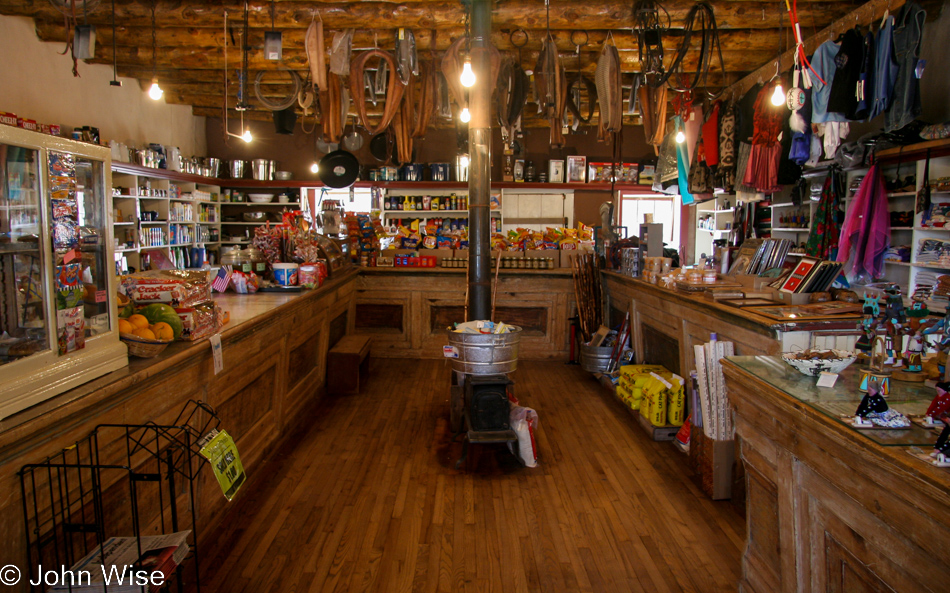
(237,169)
(214,166)
(339,169)
(439,171)
(411,172)
(260,169)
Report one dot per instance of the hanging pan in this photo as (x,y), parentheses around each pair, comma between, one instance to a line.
(381,147)
(339,169)
(354,140)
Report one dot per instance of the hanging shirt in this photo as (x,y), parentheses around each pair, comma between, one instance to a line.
(905,104)
(823,62)
(885,69)
(848,63)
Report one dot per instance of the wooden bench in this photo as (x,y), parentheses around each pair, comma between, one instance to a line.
(347,362)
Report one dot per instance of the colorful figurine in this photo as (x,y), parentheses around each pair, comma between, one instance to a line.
(914,353)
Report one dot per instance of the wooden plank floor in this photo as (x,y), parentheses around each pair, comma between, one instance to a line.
(367,499)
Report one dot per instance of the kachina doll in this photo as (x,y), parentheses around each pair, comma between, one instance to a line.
(868,324)
(913,356)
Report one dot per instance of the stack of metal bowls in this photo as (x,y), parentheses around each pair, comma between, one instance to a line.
(237,169)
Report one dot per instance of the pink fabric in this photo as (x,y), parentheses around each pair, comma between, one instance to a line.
(866,233)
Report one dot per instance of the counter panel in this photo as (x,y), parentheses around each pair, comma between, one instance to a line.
(274,354)
(426,302)
(830,509)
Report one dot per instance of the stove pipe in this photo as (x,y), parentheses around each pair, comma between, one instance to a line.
(479,175)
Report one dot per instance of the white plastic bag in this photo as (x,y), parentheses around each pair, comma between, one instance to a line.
(524,421)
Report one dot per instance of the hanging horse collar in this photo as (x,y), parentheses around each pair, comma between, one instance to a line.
(394,90)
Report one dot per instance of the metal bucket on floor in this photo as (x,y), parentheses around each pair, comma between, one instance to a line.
(595,359)
(486,354)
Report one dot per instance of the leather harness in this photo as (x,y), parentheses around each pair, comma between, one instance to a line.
(552,89)
(394,91)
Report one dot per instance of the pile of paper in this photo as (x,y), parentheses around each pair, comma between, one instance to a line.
(482,327)
(118,567)
(716,413)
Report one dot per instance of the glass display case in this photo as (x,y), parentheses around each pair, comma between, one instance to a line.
(58,316)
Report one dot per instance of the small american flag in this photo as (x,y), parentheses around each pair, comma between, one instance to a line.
(223,278)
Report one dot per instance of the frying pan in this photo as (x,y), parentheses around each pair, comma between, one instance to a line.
(354,140)
(381,147)
(339,169)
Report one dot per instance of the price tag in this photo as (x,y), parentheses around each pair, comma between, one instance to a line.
(450,352)
(69,256)
(217,353)
(100,296)
(826,379)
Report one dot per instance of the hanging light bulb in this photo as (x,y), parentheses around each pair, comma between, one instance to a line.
(246,136)
(680,137)
(467,77)
(315,167)
(778,96)
(155,92)
(465,116)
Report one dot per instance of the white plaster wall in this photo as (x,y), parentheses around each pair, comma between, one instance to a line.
(37,83)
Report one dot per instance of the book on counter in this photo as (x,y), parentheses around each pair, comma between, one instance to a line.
(811,275)
(118,567)
(756,256)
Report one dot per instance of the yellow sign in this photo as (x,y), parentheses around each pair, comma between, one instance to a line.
(221,451)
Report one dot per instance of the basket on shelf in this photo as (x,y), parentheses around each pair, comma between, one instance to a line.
(143,347)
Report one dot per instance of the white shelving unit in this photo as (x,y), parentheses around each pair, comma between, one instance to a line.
(235,230)
(180,221)
(713,221)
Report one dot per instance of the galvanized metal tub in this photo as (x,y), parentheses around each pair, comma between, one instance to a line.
(595,359)
(486,354)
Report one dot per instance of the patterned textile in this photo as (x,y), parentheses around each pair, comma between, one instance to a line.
(726,171)
(866,233)
(825,230)
(700,176)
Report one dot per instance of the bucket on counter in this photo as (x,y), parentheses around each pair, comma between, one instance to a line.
(595,359)
(285,274)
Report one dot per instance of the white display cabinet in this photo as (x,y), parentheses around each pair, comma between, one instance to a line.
(58,318)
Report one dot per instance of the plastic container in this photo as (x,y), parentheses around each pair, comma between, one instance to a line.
(486,354)
(308,275)
(285,274)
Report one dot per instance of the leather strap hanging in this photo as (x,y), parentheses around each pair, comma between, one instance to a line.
(591,88)
(412,119)
(552,89)
(394,90)
(333,112)
(316,57)
(511,92)
(609,91)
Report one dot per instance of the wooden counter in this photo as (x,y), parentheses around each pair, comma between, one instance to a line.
(667,324)
(274,351)
(830,508)
(406,310)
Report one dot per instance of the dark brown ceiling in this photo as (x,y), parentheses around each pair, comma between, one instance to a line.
(190,36)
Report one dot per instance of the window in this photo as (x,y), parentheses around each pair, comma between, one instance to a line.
(665,211)
(353,199)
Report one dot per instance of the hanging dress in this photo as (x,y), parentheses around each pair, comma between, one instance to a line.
(762,172)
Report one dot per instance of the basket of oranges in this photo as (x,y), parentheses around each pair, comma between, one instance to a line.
(145,340)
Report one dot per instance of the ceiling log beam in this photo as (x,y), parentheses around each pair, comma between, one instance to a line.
(439,14)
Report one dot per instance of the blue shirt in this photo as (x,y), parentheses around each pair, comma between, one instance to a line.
(823,62)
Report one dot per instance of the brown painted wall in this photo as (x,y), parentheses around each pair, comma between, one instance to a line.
(296,152)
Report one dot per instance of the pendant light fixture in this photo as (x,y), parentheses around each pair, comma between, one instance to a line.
(778,95)
(115,66)
(467,77)
(465,116)
(246,134)
(155,91)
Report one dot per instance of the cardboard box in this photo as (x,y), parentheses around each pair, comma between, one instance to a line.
(790,298)
(439,254)
(750,281)
(567,254)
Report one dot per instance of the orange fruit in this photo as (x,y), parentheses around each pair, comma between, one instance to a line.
(138,321)
(125,327)
(144,332)
(163,331)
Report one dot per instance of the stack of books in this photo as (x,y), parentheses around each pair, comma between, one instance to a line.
(755,256)
(810,275)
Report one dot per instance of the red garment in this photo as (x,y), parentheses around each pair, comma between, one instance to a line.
(768,118)
(711,137)
(762,172)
